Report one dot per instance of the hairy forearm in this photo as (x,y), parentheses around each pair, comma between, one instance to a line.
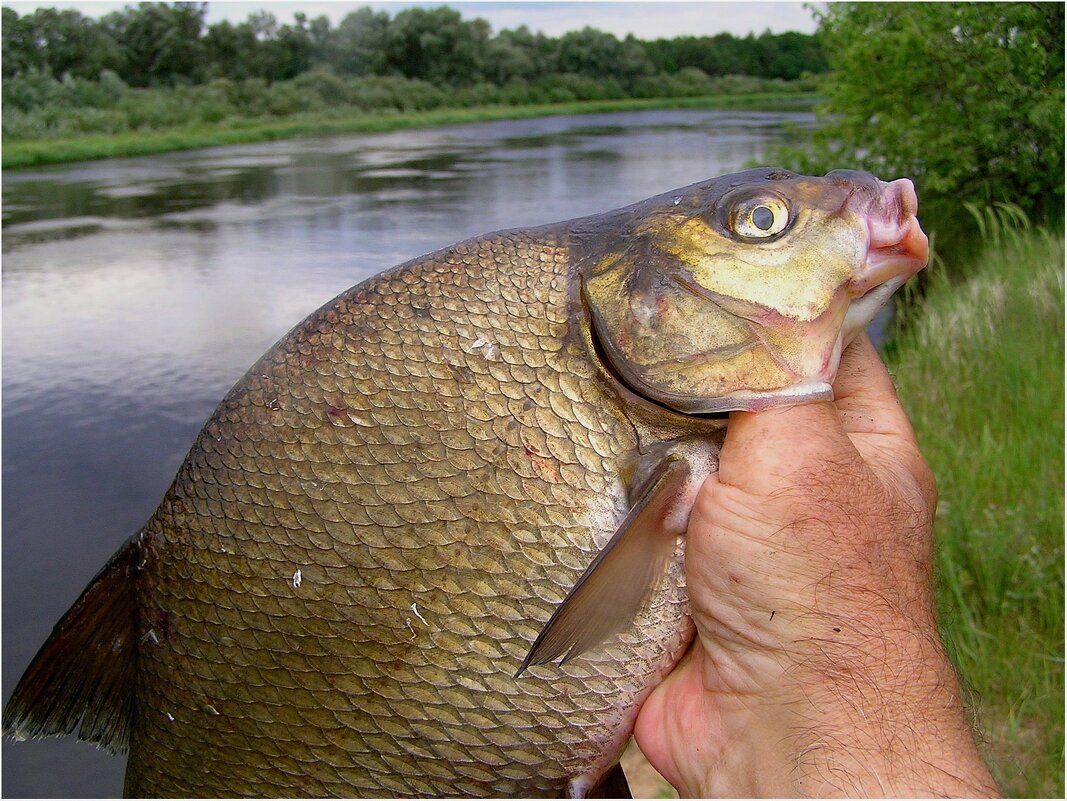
(895,728)
(853,718)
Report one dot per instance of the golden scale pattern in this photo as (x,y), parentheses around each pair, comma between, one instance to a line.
(369,533)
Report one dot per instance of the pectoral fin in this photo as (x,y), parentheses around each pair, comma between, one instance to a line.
(610,592)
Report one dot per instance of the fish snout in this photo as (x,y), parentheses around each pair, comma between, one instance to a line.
(897,246)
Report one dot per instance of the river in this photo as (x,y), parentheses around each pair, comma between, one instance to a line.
(137,291)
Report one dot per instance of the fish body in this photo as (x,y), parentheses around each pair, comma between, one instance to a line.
(450,477)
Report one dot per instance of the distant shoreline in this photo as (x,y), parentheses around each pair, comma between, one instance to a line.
(41,152)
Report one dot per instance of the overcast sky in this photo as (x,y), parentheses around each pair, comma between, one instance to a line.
(647,20)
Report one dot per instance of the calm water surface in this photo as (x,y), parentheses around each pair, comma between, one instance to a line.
(137,291)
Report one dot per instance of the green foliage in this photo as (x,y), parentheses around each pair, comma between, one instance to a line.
(980,370)
(965,98)
(160,43)
(119,141)
(55,43)
(38,106)
(357,47)
(437,45)
(787,56)
(154,67)
(598,55)
(166,44)
(518,55)
(692,82)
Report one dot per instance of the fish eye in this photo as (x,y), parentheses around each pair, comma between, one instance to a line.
(760,218)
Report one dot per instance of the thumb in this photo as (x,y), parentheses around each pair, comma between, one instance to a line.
(766,451)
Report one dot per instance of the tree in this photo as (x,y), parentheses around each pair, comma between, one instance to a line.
(793,55)
(786,55)
(967,99)
(294,49)
(437,46)
(358,46)
(517,55)
(600,55)
(233,51)
(22,52)
(161,43)
(57,43)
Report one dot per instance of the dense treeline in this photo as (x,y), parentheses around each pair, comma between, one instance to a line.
(156,67)
(159,44)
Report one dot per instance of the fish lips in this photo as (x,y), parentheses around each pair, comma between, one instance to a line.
(897,249)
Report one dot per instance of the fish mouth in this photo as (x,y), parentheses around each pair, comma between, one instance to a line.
(897,249)
(865,308)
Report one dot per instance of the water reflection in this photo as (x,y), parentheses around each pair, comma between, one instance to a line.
(137,291)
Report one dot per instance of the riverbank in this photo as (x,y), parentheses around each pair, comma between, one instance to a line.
(30,153)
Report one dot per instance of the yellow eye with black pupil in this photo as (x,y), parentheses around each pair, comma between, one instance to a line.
(759,219)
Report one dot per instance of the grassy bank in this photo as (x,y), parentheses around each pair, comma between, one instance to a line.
(25,153)
(980,371)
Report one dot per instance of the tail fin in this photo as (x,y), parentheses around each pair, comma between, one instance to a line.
(83,676)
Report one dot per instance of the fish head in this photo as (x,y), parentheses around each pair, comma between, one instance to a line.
(740,293)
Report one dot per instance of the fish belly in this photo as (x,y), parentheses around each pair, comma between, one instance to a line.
(369,533)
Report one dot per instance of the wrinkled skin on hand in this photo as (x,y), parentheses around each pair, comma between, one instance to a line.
(817,669)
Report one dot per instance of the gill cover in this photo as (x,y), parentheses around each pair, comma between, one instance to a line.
(730,294)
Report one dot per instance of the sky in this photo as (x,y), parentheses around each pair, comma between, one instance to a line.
(645,20)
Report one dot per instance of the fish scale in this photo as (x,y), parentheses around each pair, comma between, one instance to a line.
(306,447)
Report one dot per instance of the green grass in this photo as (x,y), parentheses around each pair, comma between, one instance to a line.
(980,370)
(28,153)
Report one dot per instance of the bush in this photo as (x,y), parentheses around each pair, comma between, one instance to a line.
(519,92)
(568,86)
(480,94)
(32,90)
(745,85)
(687,82)
(395,93)
(40,107)
(966,99)
(321,88)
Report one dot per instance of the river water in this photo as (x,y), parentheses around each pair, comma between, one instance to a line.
(137,291)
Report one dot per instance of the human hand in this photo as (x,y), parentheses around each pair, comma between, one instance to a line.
(817,669)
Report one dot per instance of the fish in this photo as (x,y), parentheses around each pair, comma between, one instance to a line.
(432,542)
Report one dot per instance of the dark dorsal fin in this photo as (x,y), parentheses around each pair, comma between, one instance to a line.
(83,676)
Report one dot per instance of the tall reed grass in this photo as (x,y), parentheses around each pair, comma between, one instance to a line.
(980,368)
